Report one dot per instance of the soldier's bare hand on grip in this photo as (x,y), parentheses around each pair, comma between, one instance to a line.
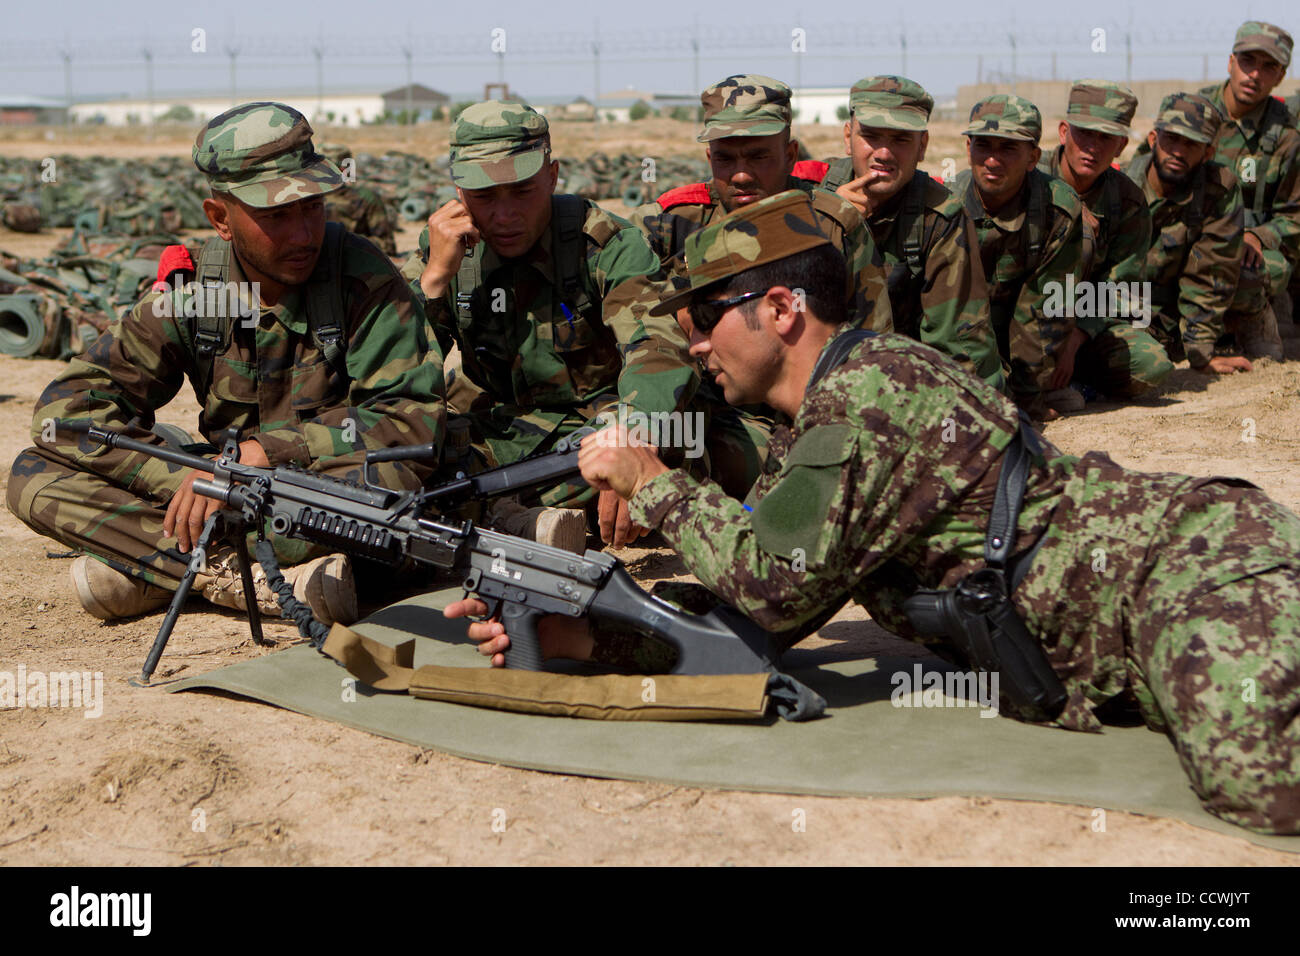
(187,511)
(451,234)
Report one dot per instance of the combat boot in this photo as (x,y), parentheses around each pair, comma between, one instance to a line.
(107,593)
(1257,334)
(324,584)
(564,528)
(1065,400)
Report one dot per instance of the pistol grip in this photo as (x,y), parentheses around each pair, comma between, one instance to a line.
(525,651)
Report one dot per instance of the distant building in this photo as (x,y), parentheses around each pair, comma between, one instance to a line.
(22,110)
(417,97)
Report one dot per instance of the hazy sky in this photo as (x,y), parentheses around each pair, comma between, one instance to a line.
(647,46)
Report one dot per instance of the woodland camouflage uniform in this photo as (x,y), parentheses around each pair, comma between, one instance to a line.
(1263,149)
(1178,595)
(1035,239)
(272,380)
(1119,359)
(1194,262)
(936,282)
(547,344)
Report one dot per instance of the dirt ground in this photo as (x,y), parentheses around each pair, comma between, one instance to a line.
(197,778)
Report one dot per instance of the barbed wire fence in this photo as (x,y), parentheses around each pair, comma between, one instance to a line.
(197,60)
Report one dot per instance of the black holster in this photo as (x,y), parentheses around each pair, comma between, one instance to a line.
(977,617)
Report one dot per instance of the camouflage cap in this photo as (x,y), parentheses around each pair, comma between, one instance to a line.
(1189,115)
(497,142)
(745,105)
(1006,116)
(893,102)
(262,154)
(1101,106)
(761,232)
(1264,38)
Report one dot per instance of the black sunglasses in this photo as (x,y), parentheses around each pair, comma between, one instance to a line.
(706,313)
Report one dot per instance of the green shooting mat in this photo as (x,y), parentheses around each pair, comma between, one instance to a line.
(866,746)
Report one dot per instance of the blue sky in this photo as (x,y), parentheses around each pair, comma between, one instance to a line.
(646,46)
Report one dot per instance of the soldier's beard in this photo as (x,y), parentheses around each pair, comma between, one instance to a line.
(1168,177)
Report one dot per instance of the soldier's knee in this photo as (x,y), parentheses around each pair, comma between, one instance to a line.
(19,498)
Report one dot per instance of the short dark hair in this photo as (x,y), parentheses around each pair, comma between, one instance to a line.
(820,272)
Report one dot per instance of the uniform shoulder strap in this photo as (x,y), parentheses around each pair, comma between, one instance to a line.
(837,173)
(325,300)
(911,224)
(695,193)
(836,352)
(569,246)
(210,330)
(469,277)
(1111,203)
(1036,216)
(1196,208)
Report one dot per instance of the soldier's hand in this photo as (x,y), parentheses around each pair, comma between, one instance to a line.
(616,525)
(855,191)
(451,234)
(1252,251)
(187,512)
(615,460)
(1226,365)
(558,636)
(1065,359)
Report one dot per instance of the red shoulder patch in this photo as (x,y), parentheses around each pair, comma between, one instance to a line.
(692,193)
(811,169)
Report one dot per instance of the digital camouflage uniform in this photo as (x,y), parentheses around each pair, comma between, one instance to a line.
(1119,359)
(1196,247)
(356,207)
(539,360)
(271,381)
(1263,149)
(1181,594)
(1048,214)
(937,291)
(753,105)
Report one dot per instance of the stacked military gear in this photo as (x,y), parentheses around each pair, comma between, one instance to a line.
(57,306)
(95,194)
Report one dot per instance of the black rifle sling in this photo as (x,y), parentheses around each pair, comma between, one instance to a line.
(568,213)
(911,222)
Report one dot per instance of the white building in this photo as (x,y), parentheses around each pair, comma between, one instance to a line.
(819,104)
(349,109)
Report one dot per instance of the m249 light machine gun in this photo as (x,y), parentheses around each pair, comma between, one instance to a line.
(521,580)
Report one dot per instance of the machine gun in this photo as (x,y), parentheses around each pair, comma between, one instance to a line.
(520,580)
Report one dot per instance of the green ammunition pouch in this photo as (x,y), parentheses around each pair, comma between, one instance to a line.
(977,617)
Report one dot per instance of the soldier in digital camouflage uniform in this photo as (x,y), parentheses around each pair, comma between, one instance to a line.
(1194,617)
(1194,262)
(1258,141)
(937,291)
(1111,353)
(546,297)
(751,154)
(294,393)
(1030,231)
(357,207)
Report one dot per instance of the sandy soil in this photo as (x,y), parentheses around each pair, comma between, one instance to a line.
(205,778)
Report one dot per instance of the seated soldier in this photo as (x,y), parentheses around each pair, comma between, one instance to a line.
(1257,141)
(1194,262)
(323,357)
(1194,624)
(752,154)
(546,297)
(1107,351)
(1030,233)
(937,291)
